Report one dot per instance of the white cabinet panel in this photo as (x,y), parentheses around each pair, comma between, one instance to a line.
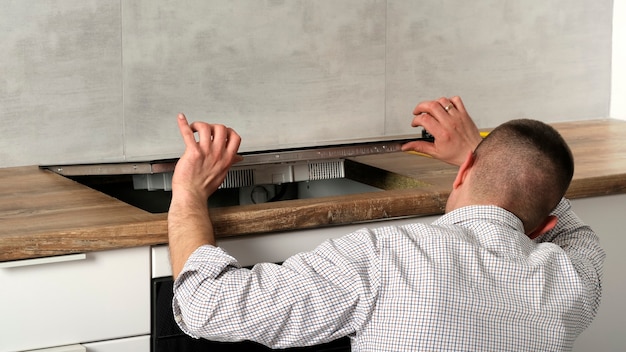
(131,344)
(606,216)
(104,296)
(69,348)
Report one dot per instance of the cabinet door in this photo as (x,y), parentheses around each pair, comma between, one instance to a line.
(606,216)
(69,348)
(104,296)
(130,344)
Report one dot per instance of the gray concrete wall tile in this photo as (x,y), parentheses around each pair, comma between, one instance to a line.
(60,82)
(95,81)
(507,59)
(283,74)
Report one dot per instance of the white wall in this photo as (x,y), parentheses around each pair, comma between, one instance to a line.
(618,77)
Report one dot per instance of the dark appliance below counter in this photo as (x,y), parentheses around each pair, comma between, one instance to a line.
(167,336)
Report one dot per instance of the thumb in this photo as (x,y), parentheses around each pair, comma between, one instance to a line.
(419,146)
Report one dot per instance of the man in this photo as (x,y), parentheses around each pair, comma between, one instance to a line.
(497,272)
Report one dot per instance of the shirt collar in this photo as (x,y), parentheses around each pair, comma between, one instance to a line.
(493,227)
(465,216)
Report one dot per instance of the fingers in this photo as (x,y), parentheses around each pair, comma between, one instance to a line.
(454,130)
(444,111)
(432,108)
(233,142)
(205,134)
(447,104)
(185,131)
(428,122)
(458,104)
(439,107)
(211,138)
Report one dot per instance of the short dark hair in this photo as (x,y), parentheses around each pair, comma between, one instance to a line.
(526,166)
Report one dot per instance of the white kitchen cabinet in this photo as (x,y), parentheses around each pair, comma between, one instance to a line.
(68,348)
(607,216)
(99,296)
(130,344)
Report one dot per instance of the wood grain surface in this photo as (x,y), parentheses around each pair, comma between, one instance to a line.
(45,214)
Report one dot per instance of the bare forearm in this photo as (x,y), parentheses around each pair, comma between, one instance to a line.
(189,227)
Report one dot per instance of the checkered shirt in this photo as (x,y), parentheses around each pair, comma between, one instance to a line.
(471,281)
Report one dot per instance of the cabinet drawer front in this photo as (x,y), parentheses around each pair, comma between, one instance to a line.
(104,296)
(130,344)
(72,348)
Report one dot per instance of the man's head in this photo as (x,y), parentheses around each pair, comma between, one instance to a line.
(523,166)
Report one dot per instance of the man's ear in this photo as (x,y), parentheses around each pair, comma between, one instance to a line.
(548,224)
(460,176)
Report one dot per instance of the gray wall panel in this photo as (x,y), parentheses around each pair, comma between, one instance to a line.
(60,82)
(281,73)
(94,81)
(548,60)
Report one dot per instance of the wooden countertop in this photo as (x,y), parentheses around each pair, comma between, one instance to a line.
(45,214)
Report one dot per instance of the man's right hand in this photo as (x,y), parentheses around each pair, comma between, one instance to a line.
(205,163)
(199,172)
(447,120)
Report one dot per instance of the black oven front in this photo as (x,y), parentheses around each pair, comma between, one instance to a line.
(167,336)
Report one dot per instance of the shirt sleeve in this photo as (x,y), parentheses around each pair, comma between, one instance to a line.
(312,298)
(582,246)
